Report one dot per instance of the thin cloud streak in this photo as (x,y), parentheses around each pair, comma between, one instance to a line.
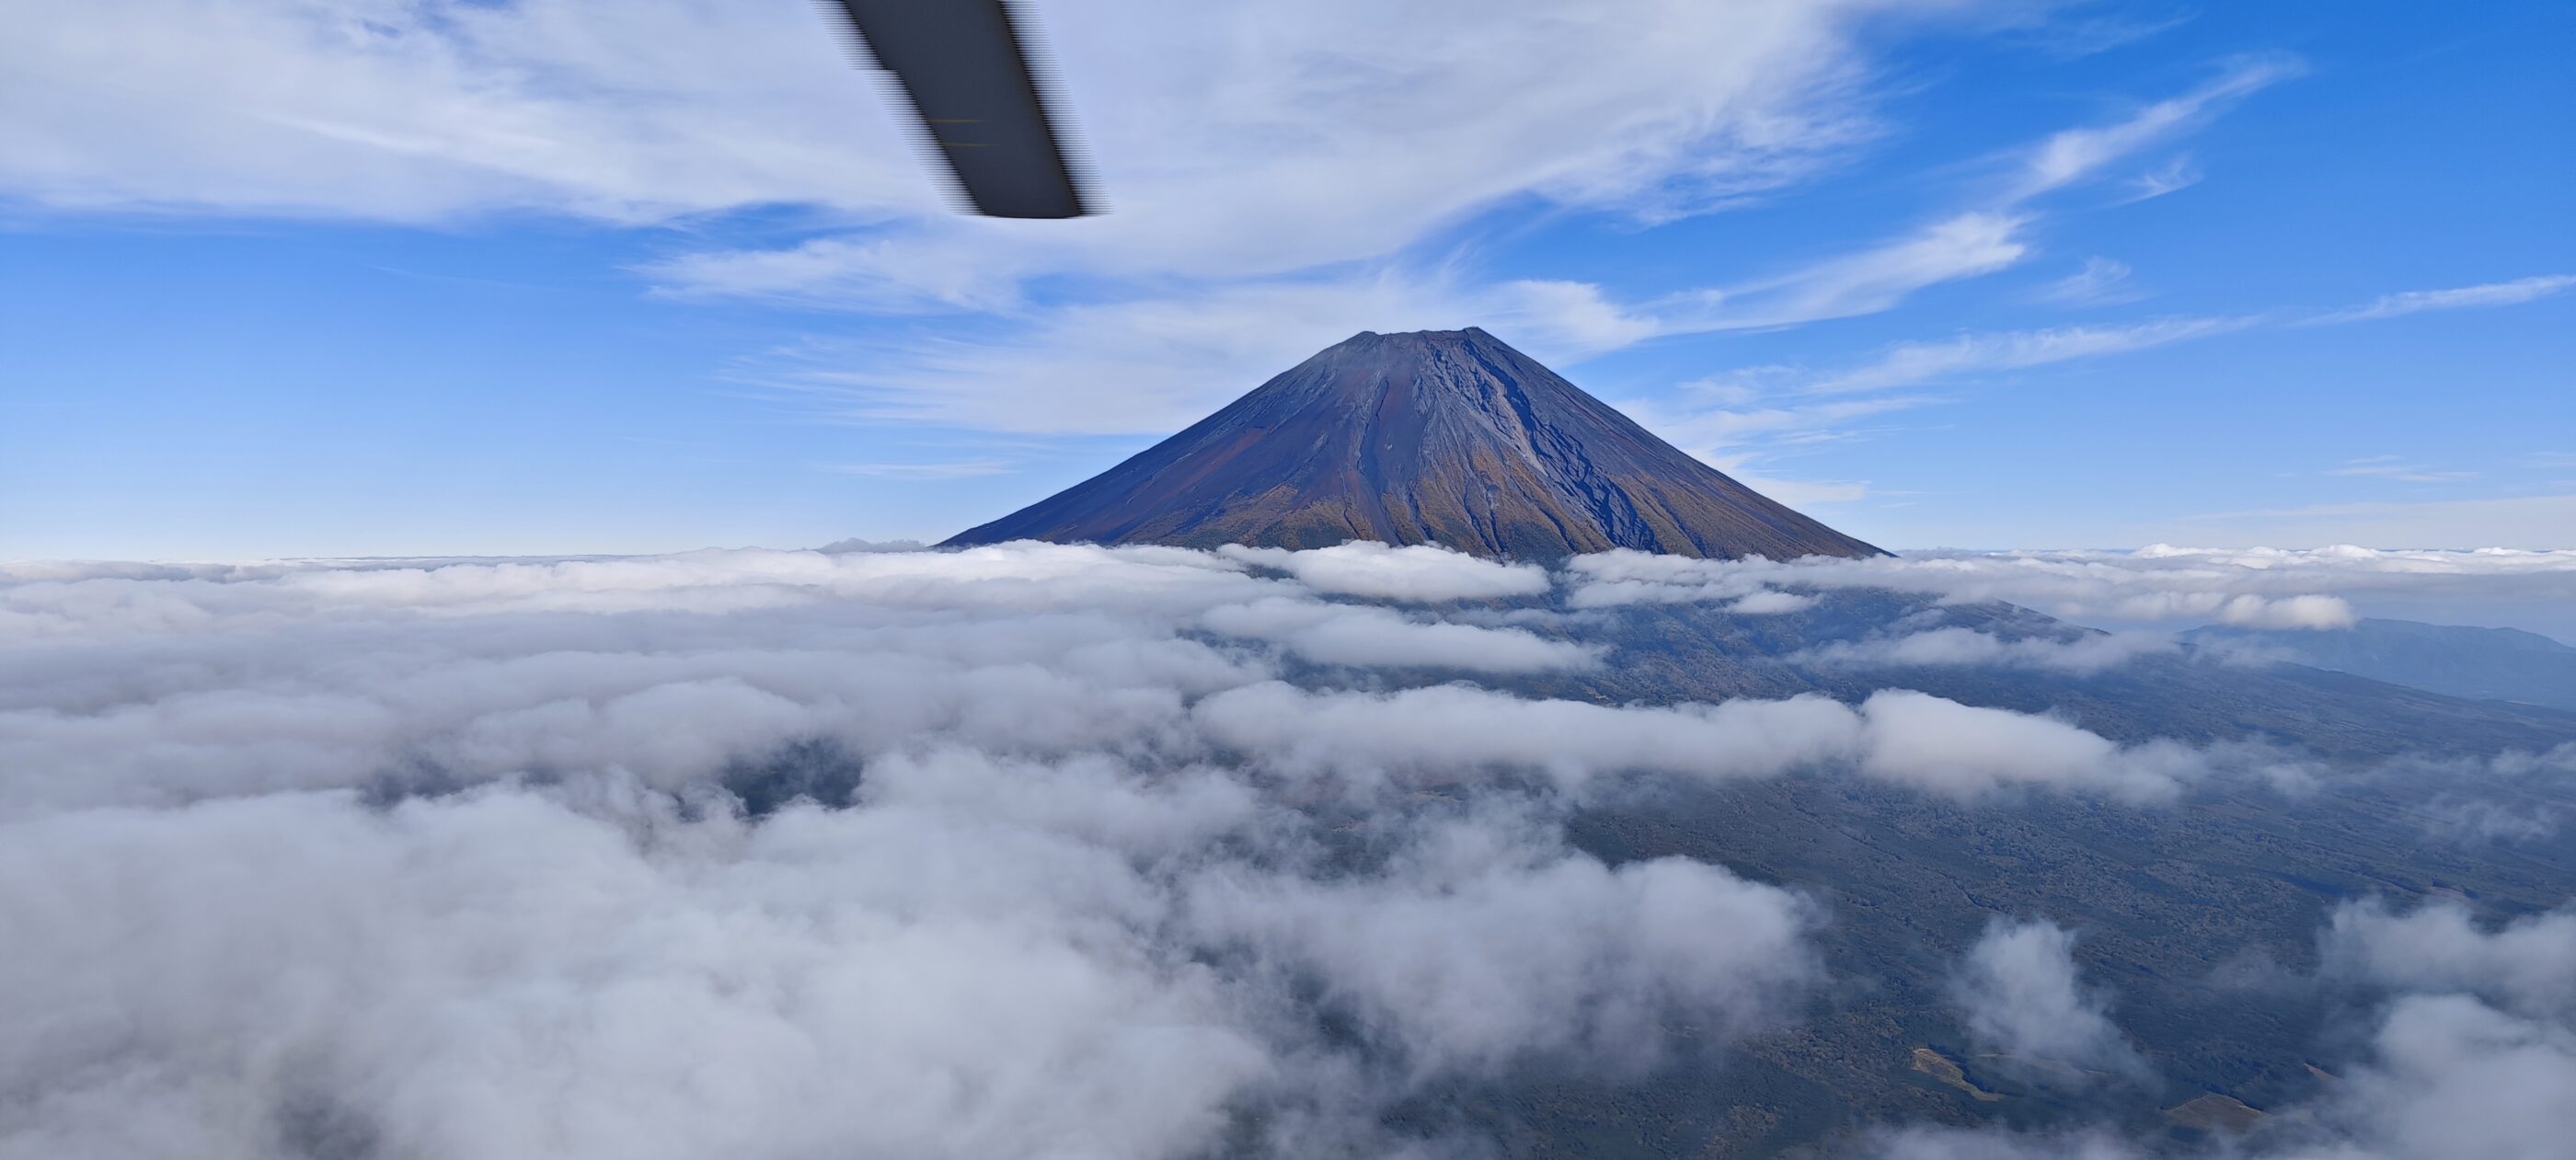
(2489,295)
(2102,282)
(2077,154)
(1917,363)
(2396,468)
(2173,177)
(1912,364)
(962,469)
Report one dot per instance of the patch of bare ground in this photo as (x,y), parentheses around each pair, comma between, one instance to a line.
(2215,1113)
(1947,1071)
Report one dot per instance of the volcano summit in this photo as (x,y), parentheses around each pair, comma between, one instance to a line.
(1442,437)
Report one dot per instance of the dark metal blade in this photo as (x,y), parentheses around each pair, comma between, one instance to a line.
(967,72)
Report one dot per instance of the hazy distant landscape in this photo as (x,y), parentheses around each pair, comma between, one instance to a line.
(2503,664)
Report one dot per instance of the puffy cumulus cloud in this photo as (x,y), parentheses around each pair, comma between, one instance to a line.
(504,973)
(2323,588)
(2088,653)
(2527,964)
(1941,745)
(2293,612)
(2471,1055)
(1415,573)
(1377,637)
(1624,576)
(2021,995)
(2475,821)
(945,969)
(2475,1048)
(1770,602)
(1466,961)
(1914,739)
(1444,732)
(2446,1076)
(2454,1077)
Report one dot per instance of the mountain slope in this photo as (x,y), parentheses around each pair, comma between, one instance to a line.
(1445,437)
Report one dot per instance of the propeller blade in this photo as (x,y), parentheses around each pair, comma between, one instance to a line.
(966,70)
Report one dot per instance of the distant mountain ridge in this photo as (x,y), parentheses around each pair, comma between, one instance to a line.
(2496,664)
(1443,437)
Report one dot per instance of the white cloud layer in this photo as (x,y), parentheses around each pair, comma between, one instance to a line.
(1966,646)
(2322,589)
(1415,573)
(1909,738)
(508,857)
(1335,634)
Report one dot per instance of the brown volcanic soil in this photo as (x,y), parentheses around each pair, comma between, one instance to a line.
(1443,437)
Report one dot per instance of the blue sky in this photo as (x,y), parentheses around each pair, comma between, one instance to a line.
(387,279)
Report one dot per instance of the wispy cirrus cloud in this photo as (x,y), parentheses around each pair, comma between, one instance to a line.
(1151,360)
(2075,155)
(1864,282)
(1325,121)
(1913,364)
(2102,282)
(2480,297)
(1155,363)
(960,469)
(2174,176)
(2397,468)
(1764,408)
(2072,38)
(1281,140)
(1142,365)
(1709,432)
